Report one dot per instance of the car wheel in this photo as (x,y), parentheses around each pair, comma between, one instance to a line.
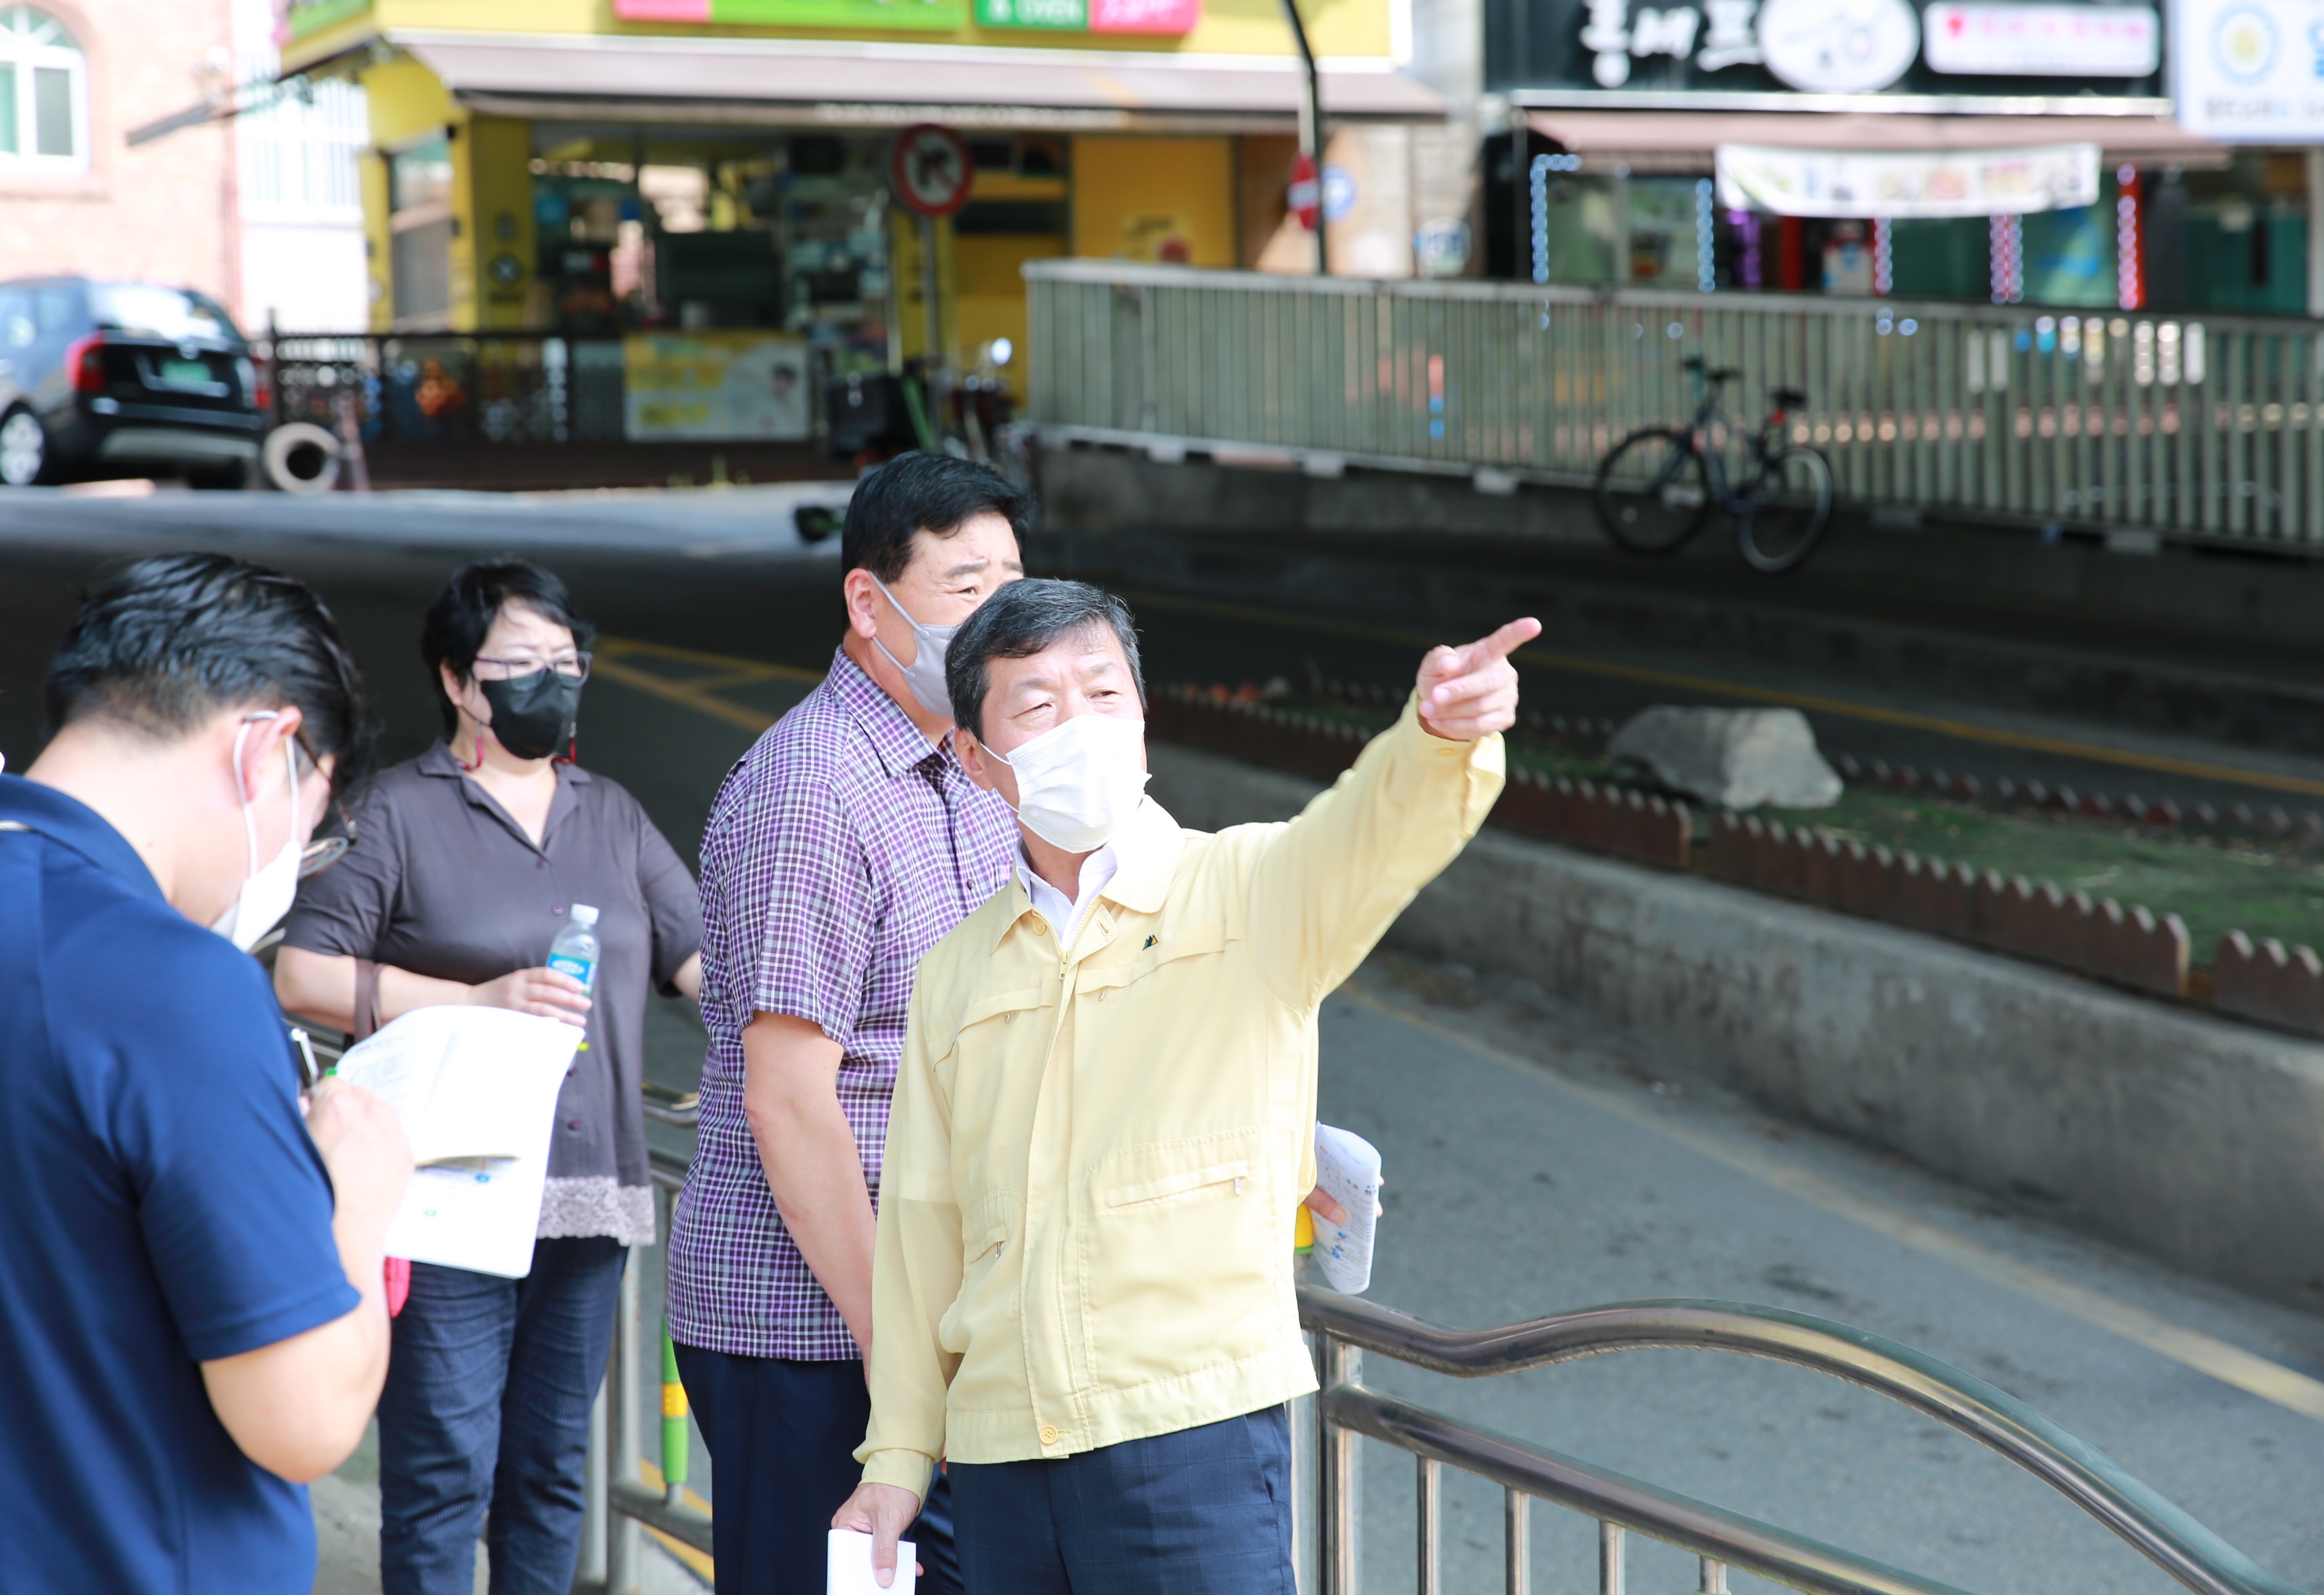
(23,449)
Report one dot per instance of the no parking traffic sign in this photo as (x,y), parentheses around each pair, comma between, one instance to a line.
(930,170)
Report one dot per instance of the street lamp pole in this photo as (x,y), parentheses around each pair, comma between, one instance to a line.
(1311,124)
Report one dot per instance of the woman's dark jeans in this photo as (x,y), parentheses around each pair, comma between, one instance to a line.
(489,1387)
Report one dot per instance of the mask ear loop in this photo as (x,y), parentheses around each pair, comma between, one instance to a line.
(242,787)
(479,764)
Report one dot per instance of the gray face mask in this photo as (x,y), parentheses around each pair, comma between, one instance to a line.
(926,674)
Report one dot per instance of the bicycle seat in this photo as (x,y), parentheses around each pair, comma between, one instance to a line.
(1725,374)
(1692,363)
(1786,398)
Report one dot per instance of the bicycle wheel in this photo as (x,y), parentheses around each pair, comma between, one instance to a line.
(1782,516)
(1650,492)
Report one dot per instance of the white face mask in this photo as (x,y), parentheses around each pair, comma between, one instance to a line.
(1078,783)
(267,892)
(926,674)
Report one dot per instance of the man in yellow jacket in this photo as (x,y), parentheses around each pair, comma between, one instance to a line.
(1104,1122)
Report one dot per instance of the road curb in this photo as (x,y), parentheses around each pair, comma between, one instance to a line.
(2191,1139)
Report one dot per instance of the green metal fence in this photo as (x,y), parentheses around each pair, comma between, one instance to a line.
(2207,428)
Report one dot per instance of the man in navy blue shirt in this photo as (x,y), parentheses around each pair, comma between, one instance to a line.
(191,1313)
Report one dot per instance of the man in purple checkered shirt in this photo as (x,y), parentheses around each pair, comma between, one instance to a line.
(844,846)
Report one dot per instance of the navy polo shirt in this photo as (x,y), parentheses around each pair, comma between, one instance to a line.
(160,1206)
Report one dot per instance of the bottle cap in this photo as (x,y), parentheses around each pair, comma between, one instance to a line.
(583,913)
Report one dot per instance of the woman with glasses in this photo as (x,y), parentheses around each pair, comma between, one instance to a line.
(467,861)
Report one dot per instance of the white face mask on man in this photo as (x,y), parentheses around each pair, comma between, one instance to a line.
(268,891)
(1079,782)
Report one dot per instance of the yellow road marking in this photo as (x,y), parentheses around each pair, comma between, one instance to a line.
(2205,1354)
(1963,730)
(702,1566)
(624,647)
(698,693)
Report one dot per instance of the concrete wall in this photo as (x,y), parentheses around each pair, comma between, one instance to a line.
(2176,591)
(2195,1140)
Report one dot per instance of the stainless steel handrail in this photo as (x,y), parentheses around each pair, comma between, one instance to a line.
(2198,1559)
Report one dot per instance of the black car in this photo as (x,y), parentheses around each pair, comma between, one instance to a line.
(123,379)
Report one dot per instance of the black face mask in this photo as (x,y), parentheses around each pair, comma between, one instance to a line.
(534,715)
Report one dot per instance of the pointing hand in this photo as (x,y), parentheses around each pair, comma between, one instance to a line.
(1466,692)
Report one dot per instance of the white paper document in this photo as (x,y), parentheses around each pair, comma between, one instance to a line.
(850,1561)
(476,1090)
(1348,1168)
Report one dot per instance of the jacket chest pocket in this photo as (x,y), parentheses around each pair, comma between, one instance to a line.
(1123,974)
(990,1030)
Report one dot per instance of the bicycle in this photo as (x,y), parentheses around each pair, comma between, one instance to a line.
(1655,487)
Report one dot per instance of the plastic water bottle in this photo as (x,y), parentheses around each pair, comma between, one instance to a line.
(574,950)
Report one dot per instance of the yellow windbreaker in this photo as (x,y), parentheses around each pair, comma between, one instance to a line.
(1096,1153)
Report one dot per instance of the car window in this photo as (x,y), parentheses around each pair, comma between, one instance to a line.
(16,328)
(56,309)
(149,311)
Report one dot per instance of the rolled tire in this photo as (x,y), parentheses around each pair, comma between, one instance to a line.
(301,458)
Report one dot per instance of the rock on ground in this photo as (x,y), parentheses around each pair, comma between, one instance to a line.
(1732,757)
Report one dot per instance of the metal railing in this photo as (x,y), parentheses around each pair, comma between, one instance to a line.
(2206,427)
(1345,1328)
(438,388)
(622,1503)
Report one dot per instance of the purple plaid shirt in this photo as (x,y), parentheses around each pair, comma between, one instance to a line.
(841,849)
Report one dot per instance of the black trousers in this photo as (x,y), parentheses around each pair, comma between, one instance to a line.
(1205,1511)
(782,1437)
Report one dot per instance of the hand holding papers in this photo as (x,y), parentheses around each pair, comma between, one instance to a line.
(1348,1169)
(849,1561)
(476,1090)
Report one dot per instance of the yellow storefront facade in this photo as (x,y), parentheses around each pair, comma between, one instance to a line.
(601,169)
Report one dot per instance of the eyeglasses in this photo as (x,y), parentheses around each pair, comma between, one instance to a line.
(573,667)
(323,851)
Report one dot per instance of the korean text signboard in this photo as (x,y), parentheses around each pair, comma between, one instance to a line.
(1958,49)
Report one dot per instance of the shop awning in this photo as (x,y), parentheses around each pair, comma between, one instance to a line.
(1658,140)
(792,82)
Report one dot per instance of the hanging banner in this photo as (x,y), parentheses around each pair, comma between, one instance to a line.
(1941,184)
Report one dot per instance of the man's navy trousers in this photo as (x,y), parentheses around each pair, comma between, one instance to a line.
(782,1435)
(1205,1511)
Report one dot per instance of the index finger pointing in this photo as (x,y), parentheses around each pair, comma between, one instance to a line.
(1503,643)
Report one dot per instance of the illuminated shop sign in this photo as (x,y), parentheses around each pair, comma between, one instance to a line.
(2249,71)
(2043,40)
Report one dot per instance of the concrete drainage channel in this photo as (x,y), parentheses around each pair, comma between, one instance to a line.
(2191,1139)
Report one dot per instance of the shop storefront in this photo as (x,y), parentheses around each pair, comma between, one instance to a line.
(2015,151)
(702,188)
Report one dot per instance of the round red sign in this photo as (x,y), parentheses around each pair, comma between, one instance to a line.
(1306,195)
(930,170)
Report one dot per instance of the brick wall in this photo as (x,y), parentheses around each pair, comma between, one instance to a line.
(163,211)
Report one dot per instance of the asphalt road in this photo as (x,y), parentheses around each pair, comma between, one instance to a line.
(1536,1164)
